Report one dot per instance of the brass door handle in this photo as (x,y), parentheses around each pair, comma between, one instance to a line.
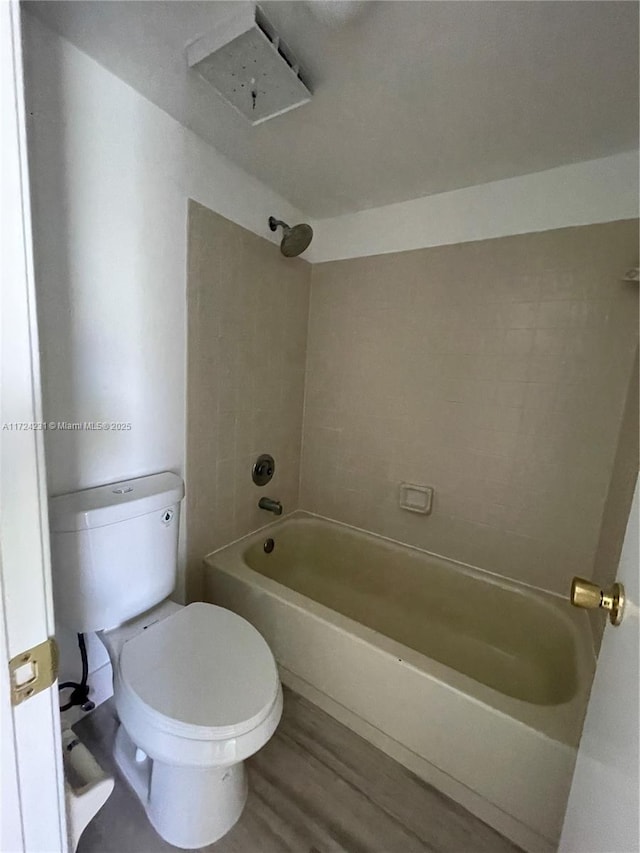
(588,595)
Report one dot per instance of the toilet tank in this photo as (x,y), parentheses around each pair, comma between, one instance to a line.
(114,550)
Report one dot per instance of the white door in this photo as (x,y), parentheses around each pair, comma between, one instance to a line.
(33,815)
(603,814)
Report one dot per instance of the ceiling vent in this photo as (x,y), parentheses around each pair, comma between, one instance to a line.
(249,65)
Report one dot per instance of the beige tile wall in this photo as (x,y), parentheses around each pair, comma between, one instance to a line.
(495,371)
(247,327)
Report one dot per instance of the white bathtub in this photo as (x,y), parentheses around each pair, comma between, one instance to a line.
(477,684)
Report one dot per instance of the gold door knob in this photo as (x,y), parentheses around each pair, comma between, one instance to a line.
(586,594)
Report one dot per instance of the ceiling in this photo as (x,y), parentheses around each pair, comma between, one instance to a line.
(410,98)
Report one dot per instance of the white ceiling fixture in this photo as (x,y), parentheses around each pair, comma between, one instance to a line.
(409,98)
(249,65)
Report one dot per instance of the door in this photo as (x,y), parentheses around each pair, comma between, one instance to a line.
(33,816)
(603,812)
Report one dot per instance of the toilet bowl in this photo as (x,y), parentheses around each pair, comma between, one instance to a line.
(197,692)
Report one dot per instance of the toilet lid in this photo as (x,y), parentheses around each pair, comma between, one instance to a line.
(203,667)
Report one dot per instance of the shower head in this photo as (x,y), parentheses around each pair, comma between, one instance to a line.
(295,239)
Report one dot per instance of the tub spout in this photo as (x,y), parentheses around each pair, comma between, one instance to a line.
(270,505)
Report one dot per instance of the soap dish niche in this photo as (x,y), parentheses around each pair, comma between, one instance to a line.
(415,498)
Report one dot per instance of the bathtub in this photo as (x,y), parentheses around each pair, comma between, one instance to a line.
(477,684)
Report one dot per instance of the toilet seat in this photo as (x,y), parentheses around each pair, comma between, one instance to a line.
(203,673)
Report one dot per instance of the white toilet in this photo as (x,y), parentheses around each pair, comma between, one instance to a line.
(196,688)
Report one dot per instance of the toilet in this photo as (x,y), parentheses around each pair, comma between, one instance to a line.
(196,687)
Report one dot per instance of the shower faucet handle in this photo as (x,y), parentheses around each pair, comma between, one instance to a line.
(263,469)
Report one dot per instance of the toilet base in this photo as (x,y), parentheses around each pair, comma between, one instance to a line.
(189,807)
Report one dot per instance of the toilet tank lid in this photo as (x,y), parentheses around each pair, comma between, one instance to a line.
(114,502)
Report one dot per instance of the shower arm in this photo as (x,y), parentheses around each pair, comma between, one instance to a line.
(275,223)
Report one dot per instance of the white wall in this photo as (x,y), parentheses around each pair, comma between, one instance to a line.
(111,175)
(581,194)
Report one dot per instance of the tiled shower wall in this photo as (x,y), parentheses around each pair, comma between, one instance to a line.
(496,372)
(499,372)
(247,328)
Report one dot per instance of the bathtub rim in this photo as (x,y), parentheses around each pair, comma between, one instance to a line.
(561,723)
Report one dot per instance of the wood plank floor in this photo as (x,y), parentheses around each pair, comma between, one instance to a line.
(316,787)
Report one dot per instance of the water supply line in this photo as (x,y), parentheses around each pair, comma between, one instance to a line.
(80,690)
